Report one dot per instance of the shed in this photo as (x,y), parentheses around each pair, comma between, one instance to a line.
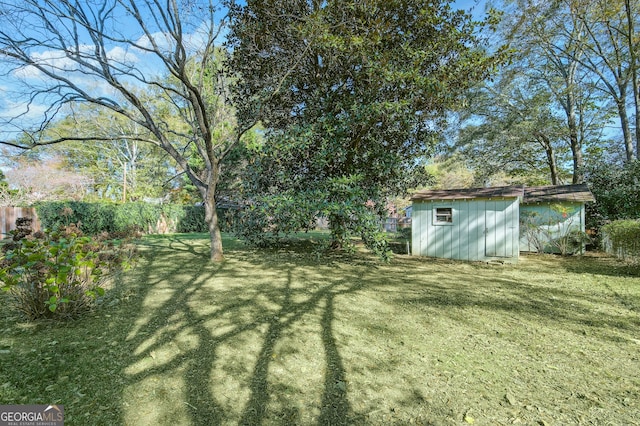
(467,224)
(483,224)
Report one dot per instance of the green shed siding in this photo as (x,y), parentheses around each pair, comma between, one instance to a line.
(496,223)
(481,229)
(502,229)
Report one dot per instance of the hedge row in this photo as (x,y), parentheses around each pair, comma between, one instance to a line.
(128,217)
(622,238)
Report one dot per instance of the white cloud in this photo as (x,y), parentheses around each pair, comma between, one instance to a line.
(48,59)
(162,40)
(17,116)
(24,109)
(59,61)
(121,55)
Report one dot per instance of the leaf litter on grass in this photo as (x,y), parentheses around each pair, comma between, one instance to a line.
(272,338)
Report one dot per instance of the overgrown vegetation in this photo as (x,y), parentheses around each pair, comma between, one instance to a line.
(623,238)
(57,274)
(277,337)
(127,218)
(270,219)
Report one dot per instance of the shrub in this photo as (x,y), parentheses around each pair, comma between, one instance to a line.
(192,220)
(92,218)
(57,274)
(273,218)
(571,242)
(128,218)
(622,237)
(617,191)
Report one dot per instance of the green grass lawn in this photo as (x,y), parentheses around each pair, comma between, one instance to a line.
(288,337)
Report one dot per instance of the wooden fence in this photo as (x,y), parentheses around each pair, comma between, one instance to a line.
(8,216)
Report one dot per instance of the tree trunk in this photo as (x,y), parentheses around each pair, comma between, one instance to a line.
(338,231)
(636,99)
(551,156)
(626,131)
(574,139)
(211,217)
(211,213)
(633,62)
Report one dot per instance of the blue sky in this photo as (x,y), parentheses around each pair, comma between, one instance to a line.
(476,6)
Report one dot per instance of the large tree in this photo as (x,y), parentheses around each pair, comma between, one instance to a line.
(547,36)
(356,91)
(510,127)
(608,52)
(112,54)
(548,100)
(633,43)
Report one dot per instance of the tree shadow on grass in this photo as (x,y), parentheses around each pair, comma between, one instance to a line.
(207,309)
(185,326)
(599,264)
(197,324)
(335,408)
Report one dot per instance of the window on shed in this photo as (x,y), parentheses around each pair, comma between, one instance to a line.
(444,215)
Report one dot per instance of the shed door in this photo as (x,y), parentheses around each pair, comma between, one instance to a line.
(498,228)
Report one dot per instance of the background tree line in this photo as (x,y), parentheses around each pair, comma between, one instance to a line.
(567,100)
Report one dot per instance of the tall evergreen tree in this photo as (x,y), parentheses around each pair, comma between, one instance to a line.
(357,90)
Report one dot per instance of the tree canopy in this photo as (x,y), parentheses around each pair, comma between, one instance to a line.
(358,90)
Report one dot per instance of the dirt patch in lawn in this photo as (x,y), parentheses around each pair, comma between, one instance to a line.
(285,337)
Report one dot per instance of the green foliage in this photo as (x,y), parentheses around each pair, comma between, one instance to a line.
(56,274)
(359,61)
(360,90)
(404,233)
(127,218)
(273,218)
(104,163)
(91,217)
(4,185)
(508,130)
(616,189)
(192,219)
(135,217)
(270,219)
(623,237)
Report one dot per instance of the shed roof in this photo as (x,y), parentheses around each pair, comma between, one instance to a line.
(534,194)
(540,194)
(469,193)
